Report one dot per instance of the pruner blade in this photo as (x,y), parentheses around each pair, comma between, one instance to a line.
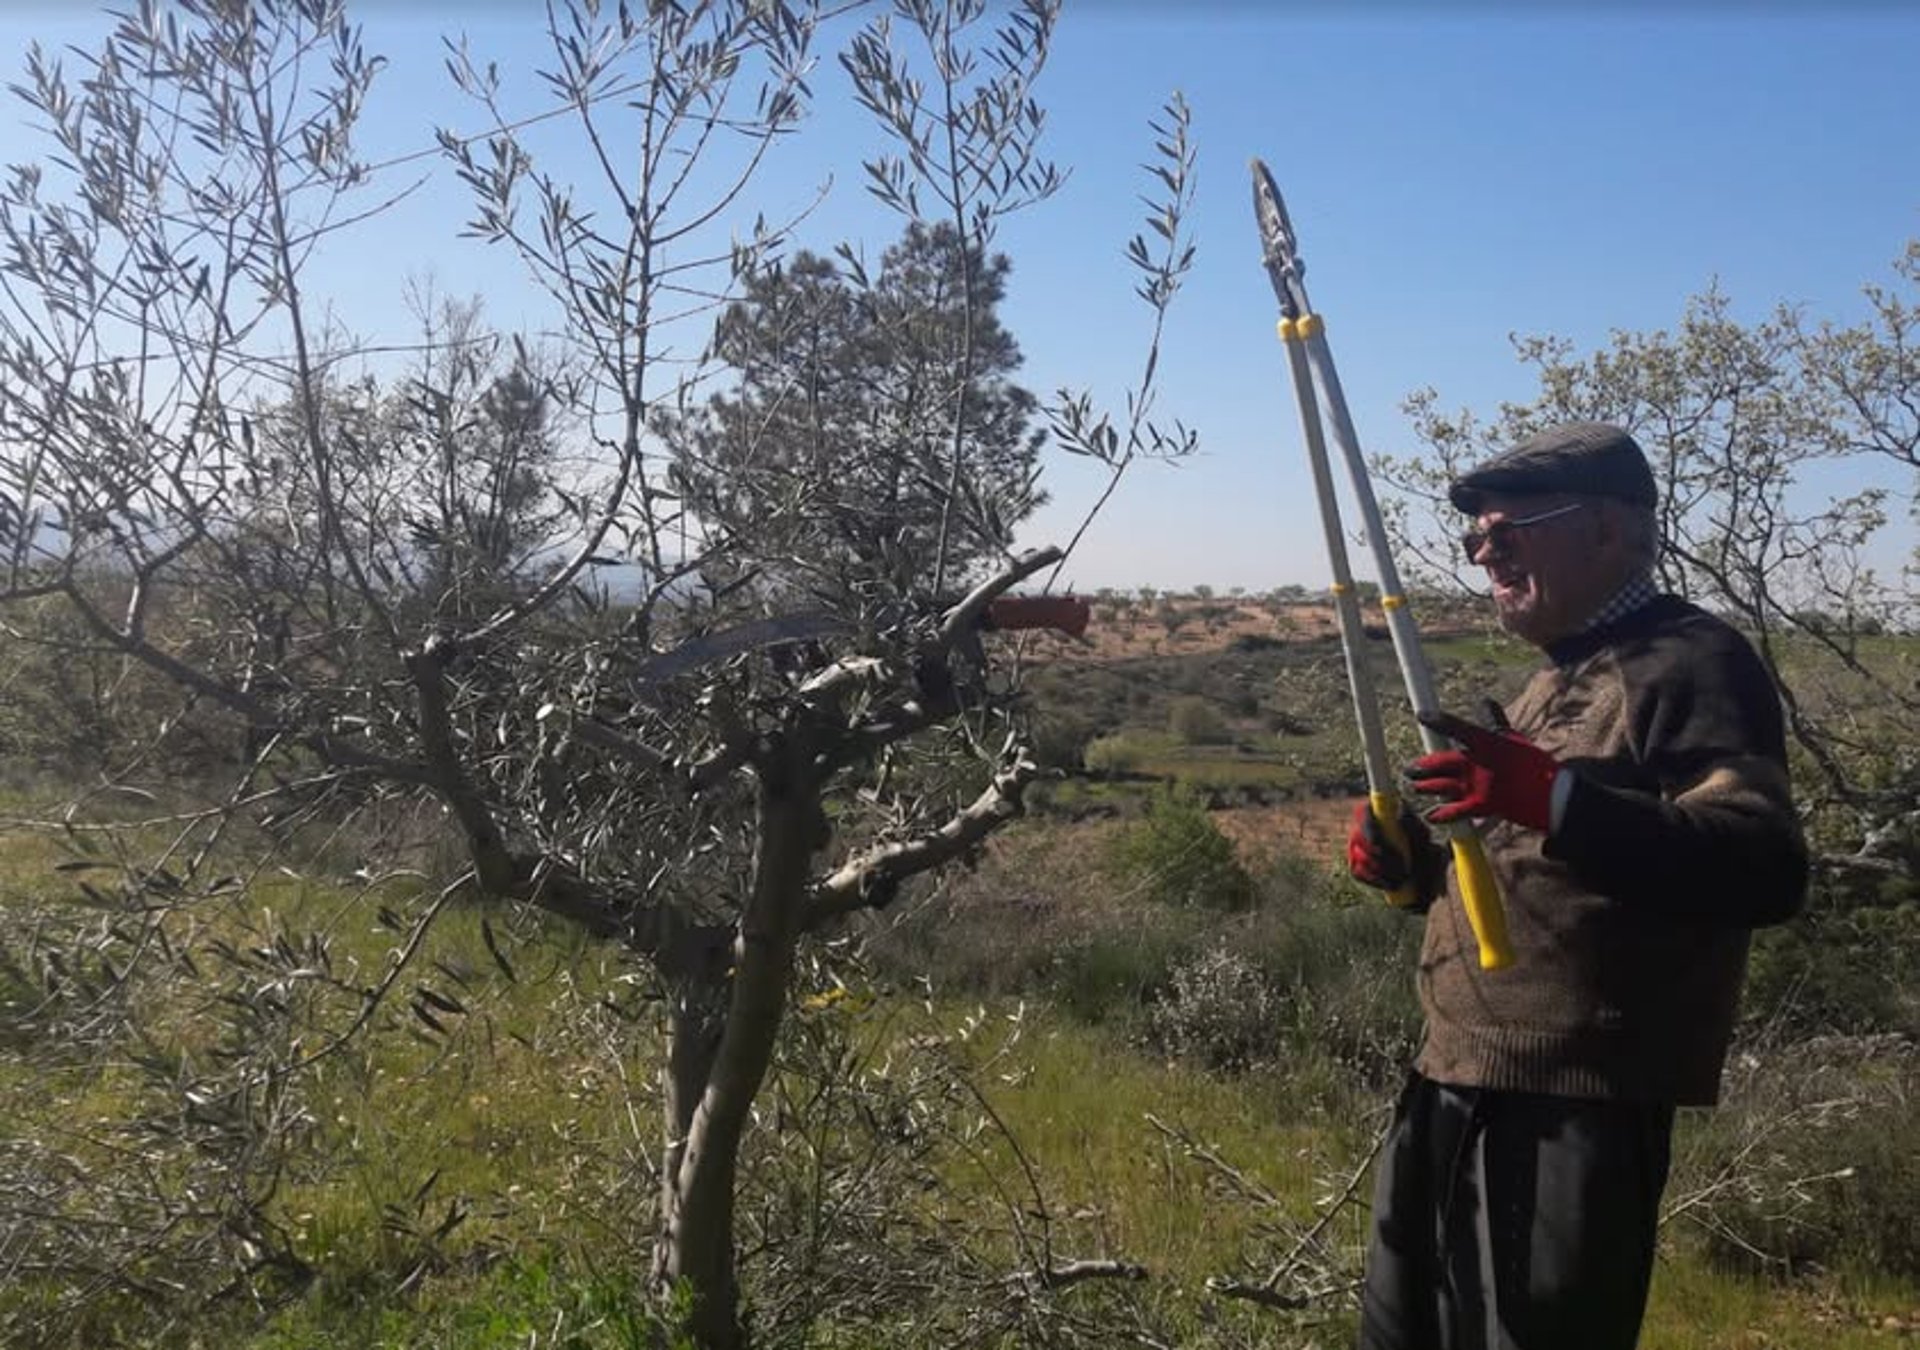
(1277,245)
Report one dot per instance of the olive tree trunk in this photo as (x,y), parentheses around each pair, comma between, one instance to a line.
(723,1027)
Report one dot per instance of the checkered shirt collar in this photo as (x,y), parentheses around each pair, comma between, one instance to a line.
(1638,591)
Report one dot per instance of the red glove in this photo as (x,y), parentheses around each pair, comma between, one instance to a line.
(1374,861)
(1493,773)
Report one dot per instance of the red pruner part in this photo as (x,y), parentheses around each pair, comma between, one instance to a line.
(1064,613)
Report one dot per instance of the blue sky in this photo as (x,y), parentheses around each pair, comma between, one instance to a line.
(1457,173)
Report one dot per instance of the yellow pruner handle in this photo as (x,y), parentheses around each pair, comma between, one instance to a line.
(1481,896)
(1386,814)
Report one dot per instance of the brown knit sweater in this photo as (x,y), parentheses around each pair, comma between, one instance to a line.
(1630,923)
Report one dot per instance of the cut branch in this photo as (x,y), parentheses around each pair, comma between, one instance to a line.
(1067,1273)
(874,877)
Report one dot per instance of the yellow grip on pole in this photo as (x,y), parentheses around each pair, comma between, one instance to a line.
(1480,893)
(1386,814)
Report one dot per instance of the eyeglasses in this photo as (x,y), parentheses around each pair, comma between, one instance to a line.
(1500,533)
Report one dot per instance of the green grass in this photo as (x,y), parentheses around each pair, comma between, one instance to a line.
(1081,1114)
(1693,1307)
(1080,1109)
(1226,771)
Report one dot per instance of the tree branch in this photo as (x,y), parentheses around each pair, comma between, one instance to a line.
(872,878)
(1068,1273)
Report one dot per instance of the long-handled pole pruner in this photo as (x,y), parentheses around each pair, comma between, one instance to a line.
(1304,333)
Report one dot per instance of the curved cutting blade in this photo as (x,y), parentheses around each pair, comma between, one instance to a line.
(1278,247)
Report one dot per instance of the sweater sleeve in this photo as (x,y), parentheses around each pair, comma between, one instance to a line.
(1716,839)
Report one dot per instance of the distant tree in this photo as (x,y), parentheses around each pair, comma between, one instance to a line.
(837,440)
(485,438)
(1180,857)
(461,448)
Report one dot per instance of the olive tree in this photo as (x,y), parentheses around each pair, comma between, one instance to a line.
(478,586)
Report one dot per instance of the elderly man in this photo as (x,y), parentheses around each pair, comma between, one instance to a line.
(1635,809)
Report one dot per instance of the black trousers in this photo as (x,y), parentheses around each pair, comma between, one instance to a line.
(1513,1221)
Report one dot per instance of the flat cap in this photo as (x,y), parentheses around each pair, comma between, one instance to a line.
(1591,458)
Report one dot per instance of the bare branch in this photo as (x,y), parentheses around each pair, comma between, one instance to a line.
(874,877)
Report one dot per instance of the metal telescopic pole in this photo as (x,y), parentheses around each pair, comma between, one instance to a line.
(1304,333)
(1346,605)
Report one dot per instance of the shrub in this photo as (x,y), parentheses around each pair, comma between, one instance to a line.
(1344,962)
(1113,975)
(1177,855)
(1060,739)
(71,706)
(1220,1009)
(1812,1159)
(1839,970)
(1123,752)
(1111,754)
(1282,723)
(1196,721)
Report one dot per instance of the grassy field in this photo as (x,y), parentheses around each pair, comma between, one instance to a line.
(1080,1110)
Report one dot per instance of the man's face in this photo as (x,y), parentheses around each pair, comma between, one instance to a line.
(1553,561)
